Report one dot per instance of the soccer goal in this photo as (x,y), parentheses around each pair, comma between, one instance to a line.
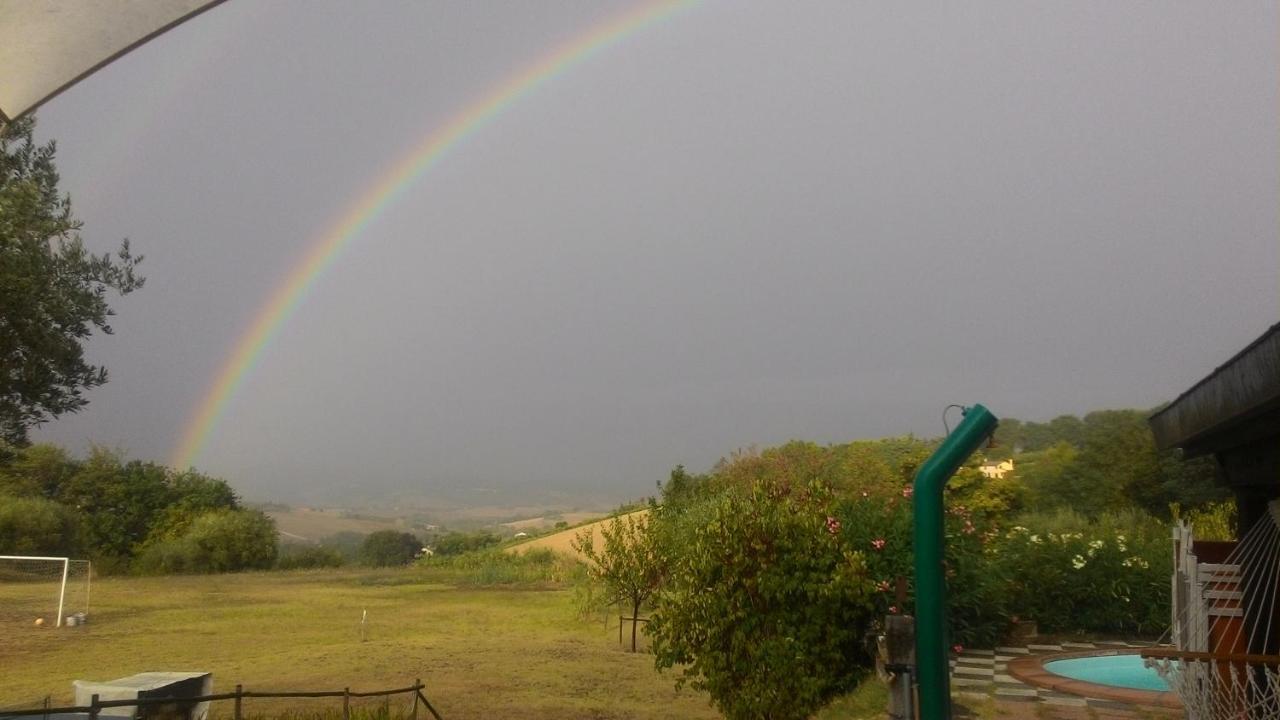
(44,591)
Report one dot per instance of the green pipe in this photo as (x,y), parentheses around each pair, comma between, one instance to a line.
(931,585)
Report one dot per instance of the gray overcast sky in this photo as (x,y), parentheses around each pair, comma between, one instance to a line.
(749,223)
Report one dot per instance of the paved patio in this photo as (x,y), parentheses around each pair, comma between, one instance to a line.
(981,682)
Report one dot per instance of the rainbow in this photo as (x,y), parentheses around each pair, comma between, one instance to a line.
(293,289)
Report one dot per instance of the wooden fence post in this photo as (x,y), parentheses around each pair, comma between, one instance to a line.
(417,688)
(900,659)
(239,690)
(93,707)
(346,703)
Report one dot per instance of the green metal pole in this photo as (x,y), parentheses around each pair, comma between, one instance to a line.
(931,584)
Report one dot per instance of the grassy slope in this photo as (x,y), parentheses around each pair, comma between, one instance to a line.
(561,542)
(482,652)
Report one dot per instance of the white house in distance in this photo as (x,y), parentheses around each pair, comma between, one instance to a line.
(996,470)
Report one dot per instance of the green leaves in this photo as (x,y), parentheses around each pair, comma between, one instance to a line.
(52,290)
(386,548)
(627,567)
(764,607)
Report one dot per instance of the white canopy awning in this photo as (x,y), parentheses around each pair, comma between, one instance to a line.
(47,46)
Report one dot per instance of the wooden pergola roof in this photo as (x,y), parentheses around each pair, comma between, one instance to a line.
(1237,404)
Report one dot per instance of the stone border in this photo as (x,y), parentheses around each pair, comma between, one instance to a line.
(1030,670)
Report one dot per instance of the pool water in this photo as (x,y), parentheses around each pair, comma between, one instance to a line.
(1126,671)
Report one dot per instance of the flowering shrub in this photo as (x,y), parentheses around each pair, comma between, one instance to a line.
(1072,574)
(976,596)
(766,601)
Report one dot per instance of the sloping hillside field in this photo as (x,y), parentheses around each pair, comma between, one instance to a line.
(562,542)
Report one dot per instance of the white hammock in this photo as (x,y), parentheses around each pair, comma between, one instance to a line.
(1221,611)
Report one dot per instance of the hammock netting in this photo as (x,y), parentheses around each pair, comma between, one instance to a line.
(1224,661)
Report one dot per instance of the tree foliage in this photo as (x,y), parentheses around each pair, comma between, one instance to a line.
(119,508)
(1108,460)
(53,291)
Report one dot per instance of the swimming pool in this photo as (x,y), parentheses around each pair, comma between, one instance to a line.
(1126,671)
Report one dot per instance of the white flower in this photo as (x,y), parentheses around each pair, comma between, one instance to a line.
(1096,544)
(1078,562)
(1035,539)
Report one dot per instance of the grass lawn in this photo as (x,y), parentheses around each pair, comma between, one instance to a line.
(483,652)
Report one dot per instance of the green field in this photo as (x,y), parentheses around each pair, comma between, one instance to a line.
(483,652)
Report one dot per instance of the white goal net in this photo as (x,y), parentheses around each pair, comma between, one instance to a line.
(43,591)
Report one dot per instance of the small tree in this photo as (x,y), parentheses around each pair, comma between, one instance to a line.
(627,567)
(389,547)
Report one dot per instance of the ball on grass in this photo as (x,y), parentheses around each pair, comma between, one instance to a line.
(39,622)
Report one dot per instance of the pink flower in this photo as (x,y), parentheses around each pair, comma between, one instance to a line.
(878,543)
(906,492)
(833,525)
(893,609)
(957,649)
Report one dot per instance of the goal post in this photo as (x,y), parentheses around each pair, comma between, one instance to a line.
(32,586)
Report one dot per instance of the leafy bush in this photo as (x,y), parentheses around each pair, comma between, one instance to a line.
(385,548)
(1072,574)
(219,541)
(766,604)
(35,526)
(308,557)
